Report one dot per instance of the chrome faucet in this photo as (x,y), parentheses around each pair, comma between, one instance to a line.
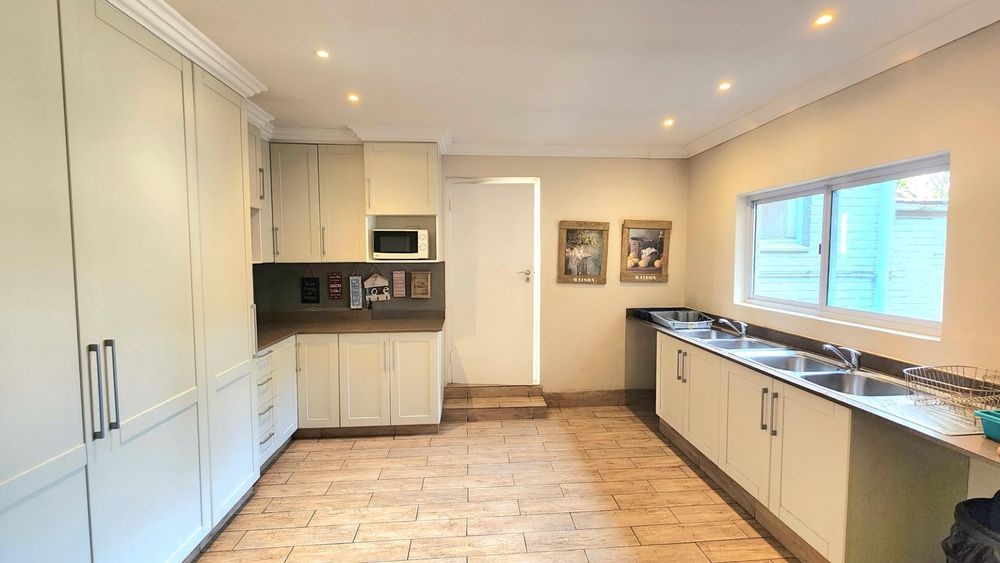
(739,326)
(849,356)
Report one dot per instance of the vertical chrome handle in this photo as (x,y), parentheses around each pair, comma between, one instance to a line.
(260,172)
(99,432)
(369,202)
(679,366)
(763,397)
(322,240)
(274,235)
(687,368)
(298,366)
(110,343)
(774,397)
(253,342)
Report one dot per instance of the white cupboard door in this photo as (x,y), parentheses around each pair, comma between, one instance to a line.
(266,215)
(746,456)
(285,401)
(318,360)
(254,167)
(364,379)
(43,487)
(125,102)
(295,203)
(342,203)
(416,378)
(223,288)
(706,393)
(810,462)
(402,178)
(671,387)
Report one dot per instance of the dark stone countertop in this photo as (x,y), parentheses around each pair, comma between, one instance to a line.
(275,327)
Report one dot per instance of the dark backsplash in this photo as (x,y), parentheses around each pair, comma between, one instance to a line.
(276,287)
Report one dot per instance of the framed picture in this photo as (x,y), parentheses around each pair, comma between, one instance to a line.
(420,285)
(583,252)
(645,251)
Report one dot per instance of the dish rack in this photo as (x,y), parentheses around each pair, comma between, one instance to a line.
(682,319)
(965,389)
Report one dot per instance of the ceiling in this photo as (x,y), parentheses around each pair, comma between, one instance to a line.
(565,76)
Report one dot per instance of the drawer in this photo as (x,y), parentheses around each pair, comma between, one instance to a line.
(262,365)
(267,442)
(265,419)
(265,389)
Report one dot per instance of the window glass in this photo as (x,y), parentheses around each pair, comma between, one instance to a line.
(786,260)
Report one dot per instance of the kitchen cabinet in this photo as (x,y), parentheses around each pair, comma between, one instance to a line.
(689,393)
(318,380)
(265,394)
(415,386)
(286,402)
(295,203)
(261,220)
(342,203)
(401,178)
(43,481)
(255,167)
(364,379)
(746,455)
(266,207)
(671,389)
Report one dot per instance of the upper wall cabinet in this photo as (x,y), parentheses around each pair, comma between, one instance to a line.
(295,201)
(261,222)
(342,203)
(402,178)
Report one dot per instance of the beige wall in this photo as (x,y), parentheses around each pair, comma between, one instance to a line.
(946,100)
(583,327)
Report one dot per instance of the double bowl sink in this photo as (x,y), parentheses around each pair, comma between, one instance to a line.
(796,363)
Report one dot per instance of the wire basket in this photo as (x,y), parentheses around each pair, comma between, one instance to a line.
(964,388)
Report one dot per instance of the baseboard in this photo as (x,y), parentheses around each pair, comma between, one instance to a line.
(365,431)
(609,397)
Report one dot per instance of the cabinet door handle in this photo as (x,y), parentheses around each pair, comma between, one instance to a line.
(774,398)
(687,368)
(369,181)
(110,343)
(322,240)
(260,172)
(763,398)
(265,382)
(99,426)
(263,354)
(298,366)
(679,366)
(264,441)
(265,411)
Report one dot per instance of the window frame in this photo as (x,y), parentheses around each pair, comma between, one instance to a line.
(938,162)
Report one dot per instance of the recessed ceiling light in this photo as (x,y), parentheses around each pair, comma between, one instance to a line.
(725,86)
(668,122)
(824,19)
(323,53)
(353,98)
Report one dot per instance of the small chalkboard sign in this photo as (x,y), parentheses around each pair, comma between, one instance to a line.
(309,290)
(335,283)
(355,288)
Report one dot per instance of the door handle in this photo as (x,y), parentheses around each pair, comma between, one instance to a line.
(687,368)
(110,343)
(369,202)
(274,236)
(265,382)
(680,368)
(267,410)
(774,397)
(763,397)
(99,432)
(264,441)
(261,174)
(322,240)
(527,275)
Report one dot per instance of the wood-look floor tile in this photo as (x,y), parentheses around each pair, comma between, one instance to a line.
(654,500)
(273,478)
(293,466)
(466,459)
(576,446)
(710,513)
(351,552)
(514,492)
(467,481)
(580,539)
(376,485)
(541,439)
(316,445)
(516,524)
(625,452)
(592,465)
(419,497)
(752,528)
(270,520)
(619,518)
(326,455)
(682,484)
(561,455)
(419,461)
(567,504)
(556,477)
(393,442)
(682,533)
(468,441)
(506,448)
(411,530)
(287,537)
(677,553)
(428,451)
(547,557)
(432,471)
(588,436)
(467,546)
(334,475)
(366,515)
(326,502)
(290,490)
(612,414)
(438,511)
(291,456)
(642,474)
(270,555)
(647,443)
(500,431)
(743,550)
(226,540)
(255,505)
(507,468)
(663,462)
(606,488)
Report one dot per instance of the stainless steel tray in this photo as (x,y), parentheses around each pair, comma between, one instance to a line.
(682,319)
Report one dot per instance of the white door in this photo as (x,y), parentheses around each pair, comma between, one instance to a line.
(747,452)
(295,203)
(318,361)
(706,393)
(492,287)
(416,378)
(43,487)
(342,203)
(671,385)
(125,101)
(364,379)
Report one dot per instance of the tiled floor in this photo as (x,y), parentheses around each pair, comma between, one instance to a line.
(584,484)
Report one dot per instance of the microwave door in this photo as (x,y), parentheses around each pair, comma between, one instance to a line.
(396,242)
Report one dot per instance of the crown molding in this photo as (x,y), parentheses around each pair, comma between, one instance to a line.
(967,19)
(592,151)
(167,24)
(261,119)
(340,135)
(376,133)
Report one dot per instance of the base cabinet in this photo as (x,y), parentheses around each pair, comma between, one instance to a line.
(318,380)
(415,388)
(690,393)
(746,455)
(364,379)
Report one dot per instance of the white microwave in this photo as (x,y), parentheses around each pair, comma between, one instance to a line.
(400,244)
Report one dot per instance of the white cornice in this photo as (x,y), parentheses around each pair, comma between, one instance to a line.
(971,17)
(164,22)
(594,151)
(262,119)
(375,133)
(340,135)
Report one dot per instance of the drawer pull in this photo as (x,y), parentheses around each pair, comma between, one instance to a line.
(265,411)
(265,382)
(264,441)
(265,354)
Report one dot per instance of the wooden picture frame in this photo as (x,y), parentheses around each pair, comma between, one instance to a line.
(420,285)
(583,248)
(645,251)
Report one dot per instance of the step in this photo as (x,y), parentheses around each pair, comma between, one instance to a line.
(465,409)
(459,391)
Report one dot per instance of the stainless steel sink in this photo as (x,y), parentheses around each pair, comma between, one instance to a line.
(744,344)
(707,334)
(855,384)
(791,361)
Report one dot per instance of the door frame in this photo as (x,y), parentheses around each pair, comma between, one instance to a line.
(536,287)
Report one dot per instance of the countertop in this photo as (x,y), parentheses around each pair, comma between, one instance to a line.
(275,327)
(974,446)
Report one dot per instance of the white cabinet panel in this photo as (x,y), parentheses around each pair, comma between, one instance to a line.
(364,379)
(706,393)
(746,456)
(42,466)
(295,202)
(254,167)
(671,386)
(285,400)
(342,203)
(402,178)
(266,211)
(416,378)
(318,380)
